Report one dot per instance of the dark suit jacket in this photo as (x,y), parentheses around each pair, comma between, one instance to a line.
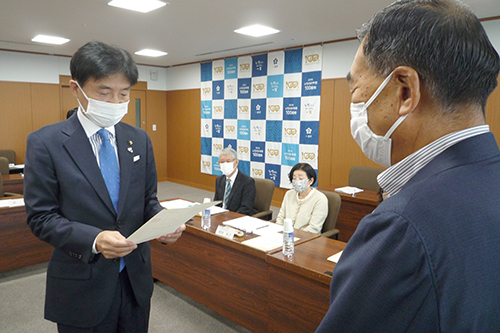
(428,258)
(242,194)
(68,205)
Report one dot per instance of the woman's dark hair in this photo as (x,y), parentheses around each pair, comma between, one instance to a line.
(307,168)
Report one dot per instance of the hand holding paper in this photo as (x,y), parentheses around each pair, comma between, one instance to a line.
(166,222)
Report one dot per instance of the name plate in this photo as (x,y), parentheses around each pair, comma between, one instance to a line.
(225,232)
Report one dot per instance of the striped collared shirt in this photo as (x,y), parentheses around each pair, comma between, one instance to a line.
(95,139)
(394,178)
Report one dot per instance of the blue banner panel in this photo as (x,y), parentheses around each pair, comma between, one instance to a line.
(259,65)
(273,172)
(309,132)
(311,84)
(206,71)
(218,89)
(257,151)
(231,68)
(293,61)
(218,128)
(274,129)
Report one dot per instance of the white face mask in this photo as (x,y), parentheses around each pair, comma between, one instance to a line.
(377,148)
(103,114)
(227,168)
(300,185)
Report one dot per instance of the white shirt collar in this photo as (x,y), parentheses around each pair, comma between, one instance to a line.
(89,127)
(233,177)
(394,178)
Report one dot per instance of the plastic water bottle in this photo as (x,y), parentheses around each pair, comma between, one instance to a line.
(206,221)
(288,238)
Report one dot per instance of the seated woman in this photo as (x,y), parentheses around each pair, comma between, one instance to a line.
(306,206)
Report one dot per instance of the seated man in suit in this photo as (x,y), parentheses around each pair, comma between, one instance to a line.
(234,188)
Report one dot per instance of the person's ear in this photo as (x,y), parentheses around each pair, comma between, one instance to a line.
(237,161)
(73,87)
(408,89)
(311,181)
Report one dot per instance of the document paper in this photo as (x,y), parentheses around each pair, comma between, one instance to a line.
(166,222)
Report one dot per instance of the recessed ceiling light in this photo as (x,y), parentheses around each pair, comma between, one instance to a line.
(151,53)
(256,30)
(142,6)
(50,39)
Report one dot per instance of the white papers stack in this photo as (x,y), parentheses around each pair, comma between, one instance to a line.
(12,203)
(178,203)
(348,190)
(335,258)
(247,224)
(13,166)
(267,242)
(217,210)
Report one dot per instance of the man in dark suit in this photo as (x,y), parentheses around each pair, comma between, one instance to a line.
(234,188)
(97,281)
(428,258)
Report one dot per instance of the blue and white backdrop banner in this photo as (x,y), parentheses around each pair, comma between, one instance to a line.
(266,107)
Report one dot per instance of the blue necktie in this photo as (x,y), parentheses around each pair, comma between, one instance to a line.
(110,172)
(228,190)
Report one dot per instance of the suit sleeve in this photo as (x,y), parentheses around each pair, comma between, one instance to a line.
(383,281)
(218,193)
(247,197)
(41,196)
(151,205)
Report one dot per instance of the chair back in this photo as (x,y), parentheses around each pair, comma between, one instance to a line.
(364,177)
(9,154)
(264,194)
(4,166)
(334,202)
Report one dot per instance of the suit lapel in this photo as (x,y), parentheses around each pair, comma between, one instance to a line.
(78,146)
(125,154)
(234,188)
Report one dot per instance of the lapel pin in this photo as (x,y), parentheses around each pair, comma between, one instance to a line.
(130,143)
(130,150)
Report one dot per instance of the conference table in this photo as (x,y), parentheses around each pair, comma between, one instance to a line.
(13,182)
(260,290)
(352,210)
(18,246)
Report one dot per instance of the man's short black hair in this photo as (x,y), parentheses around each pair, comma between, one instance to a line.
(97,60)
(442,40)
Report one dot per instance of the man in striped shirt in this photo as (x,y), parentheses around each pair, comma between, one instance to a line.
(428,258)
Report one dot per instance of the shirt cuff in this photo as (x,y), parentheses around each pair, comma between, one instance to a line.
(94,249)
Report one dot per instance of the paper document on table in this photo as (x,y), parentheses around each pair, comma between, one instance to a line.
(217,210)
(12,203)
(268,242)
(348,190)
(271,228)
(335,258)
(166,222)
(247,224)
(13,166)
(178,203)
